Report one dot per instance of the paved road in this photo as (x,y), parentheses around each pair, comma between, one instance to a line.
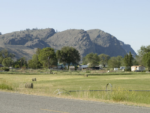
(20,103)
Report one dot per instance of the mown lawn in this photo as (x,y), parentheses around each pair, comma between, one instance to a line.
(47,84)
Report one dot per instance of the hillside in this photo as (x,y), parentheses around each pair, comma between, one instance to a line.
(105,43)
(24,43)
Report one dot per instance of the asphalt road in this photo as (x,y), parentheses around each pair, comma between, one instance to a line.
(21,103)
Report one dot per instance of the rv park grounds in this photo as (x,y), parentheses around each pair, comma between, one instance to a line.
(61,83)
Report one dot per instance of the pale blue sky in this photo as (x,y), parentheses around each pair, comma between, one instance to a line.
(127,20)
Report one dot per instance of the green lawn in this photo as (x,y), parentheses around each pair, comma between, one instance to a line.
(47,84)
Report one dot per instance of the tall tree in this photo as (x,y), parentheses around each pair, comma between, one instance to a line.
(92,59)
(104,59)
(47,57)
(115,62)
(38,51)
(128,61)
(7,62)
(21,62)
(31,64)
(34,62)
(1,59)
(143,50)
(84,61)
(146,60)
(68,55)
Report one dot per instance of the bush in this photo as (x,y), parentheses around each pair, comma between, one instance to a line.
(17,66)
(5,69)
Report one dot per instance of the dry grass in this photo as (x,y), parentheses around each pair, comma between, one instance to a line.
(47,84)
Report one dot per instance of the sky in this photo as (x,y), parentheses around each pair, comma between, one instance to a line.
(127,20)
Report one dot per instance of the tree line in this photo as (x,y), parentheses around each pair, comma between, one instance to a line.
(48,57)
(142,58)
(92,59)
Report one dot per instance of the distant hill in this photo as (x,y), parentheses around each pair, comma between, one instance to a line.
(105,43)
(127,48)
(24,43)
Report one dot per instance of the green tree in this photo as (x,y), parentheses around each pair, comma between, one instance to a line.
(7,62)
(20,63)
(47,57)
(143,50)
(115,62)
(68,55)
(1,59)
(34,62)
(23,62)
(92,59)
(128,61)
(31,64)
(38,51)
(146,60)
(104,59)
(135,62)
(84,61)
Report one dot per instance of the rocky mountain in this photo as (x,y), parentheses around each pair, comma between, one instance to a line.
(24,43)
(78,39)
(127,48)
(105,43)
(36,43)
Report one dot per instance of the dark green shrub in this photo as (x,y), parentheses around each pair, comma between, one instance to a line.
(17,66)
(5,68)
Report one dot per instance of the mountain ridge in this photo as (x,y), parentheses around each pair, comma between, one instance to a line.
(94,40)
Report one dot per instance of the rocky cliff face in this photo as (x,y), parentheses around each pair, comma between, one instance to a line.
(78,39)
(36,43)
(23,43)
(127,48)
(106,43)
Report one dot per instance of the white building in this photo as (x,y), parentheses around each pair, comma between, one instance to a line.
(137,68)
(115,69)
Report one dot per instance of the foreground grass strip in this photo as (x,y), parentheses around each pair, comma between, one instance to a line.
(46,84)
(5,85)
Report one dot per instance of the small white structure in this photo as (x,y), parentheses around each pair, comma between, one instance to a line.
(137,68)
(71,68)
(115,69)
(83,66)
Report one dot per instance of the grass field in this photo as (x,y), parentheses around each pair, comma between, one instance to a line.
(47,84)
